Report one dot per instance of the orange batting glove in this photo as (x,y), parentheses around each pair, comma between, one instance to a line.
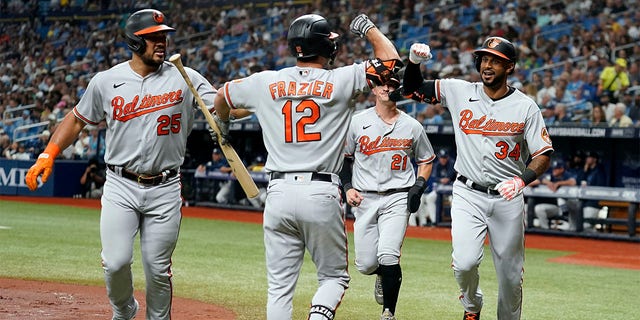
(43,166)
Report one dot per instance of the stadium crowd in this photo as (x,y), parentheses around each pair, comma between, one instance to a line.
(569,53)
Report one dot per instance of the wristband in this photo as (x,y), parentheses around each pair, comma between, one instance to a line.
(528,176)
(347,186)
(51,151)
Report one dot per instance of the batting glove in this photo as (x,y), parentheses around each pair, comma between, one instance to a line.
(224,130)
(415,193)
(419,52)
(509,189)
(360,25)
(43,166)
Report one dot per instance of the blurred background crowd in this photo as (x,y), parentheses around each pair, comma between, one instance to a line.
(580,60)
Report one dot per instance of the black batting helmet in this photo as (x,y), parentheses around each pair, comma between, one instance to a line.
(143,22)
(310,36)
(496,46)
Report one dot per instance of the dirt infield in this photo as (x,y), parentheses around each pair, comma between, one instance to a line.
(22,299)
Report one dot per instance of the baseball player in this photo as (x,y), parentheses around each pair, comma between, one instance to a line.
(304,113)
(498,129)
(149,112)
(381,142)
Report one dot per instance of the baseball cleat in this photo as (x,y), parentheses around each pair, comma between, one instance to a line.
(471,316)
(133,310)
(387,315)
(377,292)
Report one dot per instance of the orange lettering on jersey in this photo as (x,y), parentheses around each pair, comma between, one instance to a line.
(380,144)
(303,91)
(328,90)
(488,127)
(282,89)
(125,111)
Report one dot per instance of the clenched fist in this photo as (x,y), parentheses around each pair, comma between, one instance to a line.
(419,52)
(360,25)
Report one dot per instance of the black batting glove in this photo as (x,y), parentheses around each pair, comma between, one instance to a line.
(416,191)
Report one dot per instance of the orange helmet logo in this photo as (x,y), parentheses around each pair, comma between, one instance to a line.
(493,42)
(158,17)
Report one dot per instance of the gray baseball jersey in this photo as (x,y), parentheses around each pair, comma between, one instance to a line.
(494,139)
(129,103)
(148,121)
(304,114)
(383,152)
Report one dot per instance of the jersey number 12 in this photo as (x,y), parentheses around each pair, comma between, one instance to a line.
(298,130)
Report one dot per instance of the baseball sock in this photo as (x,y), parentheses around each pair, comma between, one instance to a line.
(391,281)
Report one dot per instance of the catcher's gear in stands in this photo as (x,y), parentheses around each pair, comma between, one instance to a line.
(496,46)
(416,191)
(143,22)
(360,25)
(310,36)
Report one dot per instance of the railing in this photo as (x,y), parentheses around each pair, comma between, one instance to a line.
(26,128)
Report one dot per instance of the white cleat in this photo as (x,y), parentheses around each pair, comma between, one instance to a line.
(387,315)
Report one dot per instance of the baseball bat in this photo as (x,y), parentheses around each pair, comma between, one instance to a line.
(239,170)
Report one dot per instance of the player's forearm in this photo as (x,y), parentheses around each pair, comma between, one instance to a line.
(424,170)
(383,48)
(539,164)
(67,132)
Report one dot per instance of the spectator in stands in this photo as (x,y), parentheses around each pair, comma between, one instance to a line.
(39,144)
(592,174)
(222,188)
(549,115)
(608,107)
(620,118)
(92,180)
(11,150)
(429,116)
(632,101)
(546,208)
(575,164)
(443,173)
(96,143)
(5,142)
(21,153)
(562,117)
(548,90)
(614,80)
(81,147)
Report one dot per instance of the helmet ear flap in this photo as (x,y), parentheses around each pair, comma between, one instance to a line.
(135,43)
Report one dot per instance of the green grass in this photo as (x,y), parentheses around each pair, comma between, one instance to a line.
(223,263)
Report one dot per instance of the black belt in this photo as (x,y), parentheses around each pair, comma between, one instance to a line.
(315,176)
(153,180)
(386,192)
(478,187)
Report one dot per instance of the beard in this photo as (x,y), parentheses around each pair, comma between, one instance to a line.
(497,82)
(148,59)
